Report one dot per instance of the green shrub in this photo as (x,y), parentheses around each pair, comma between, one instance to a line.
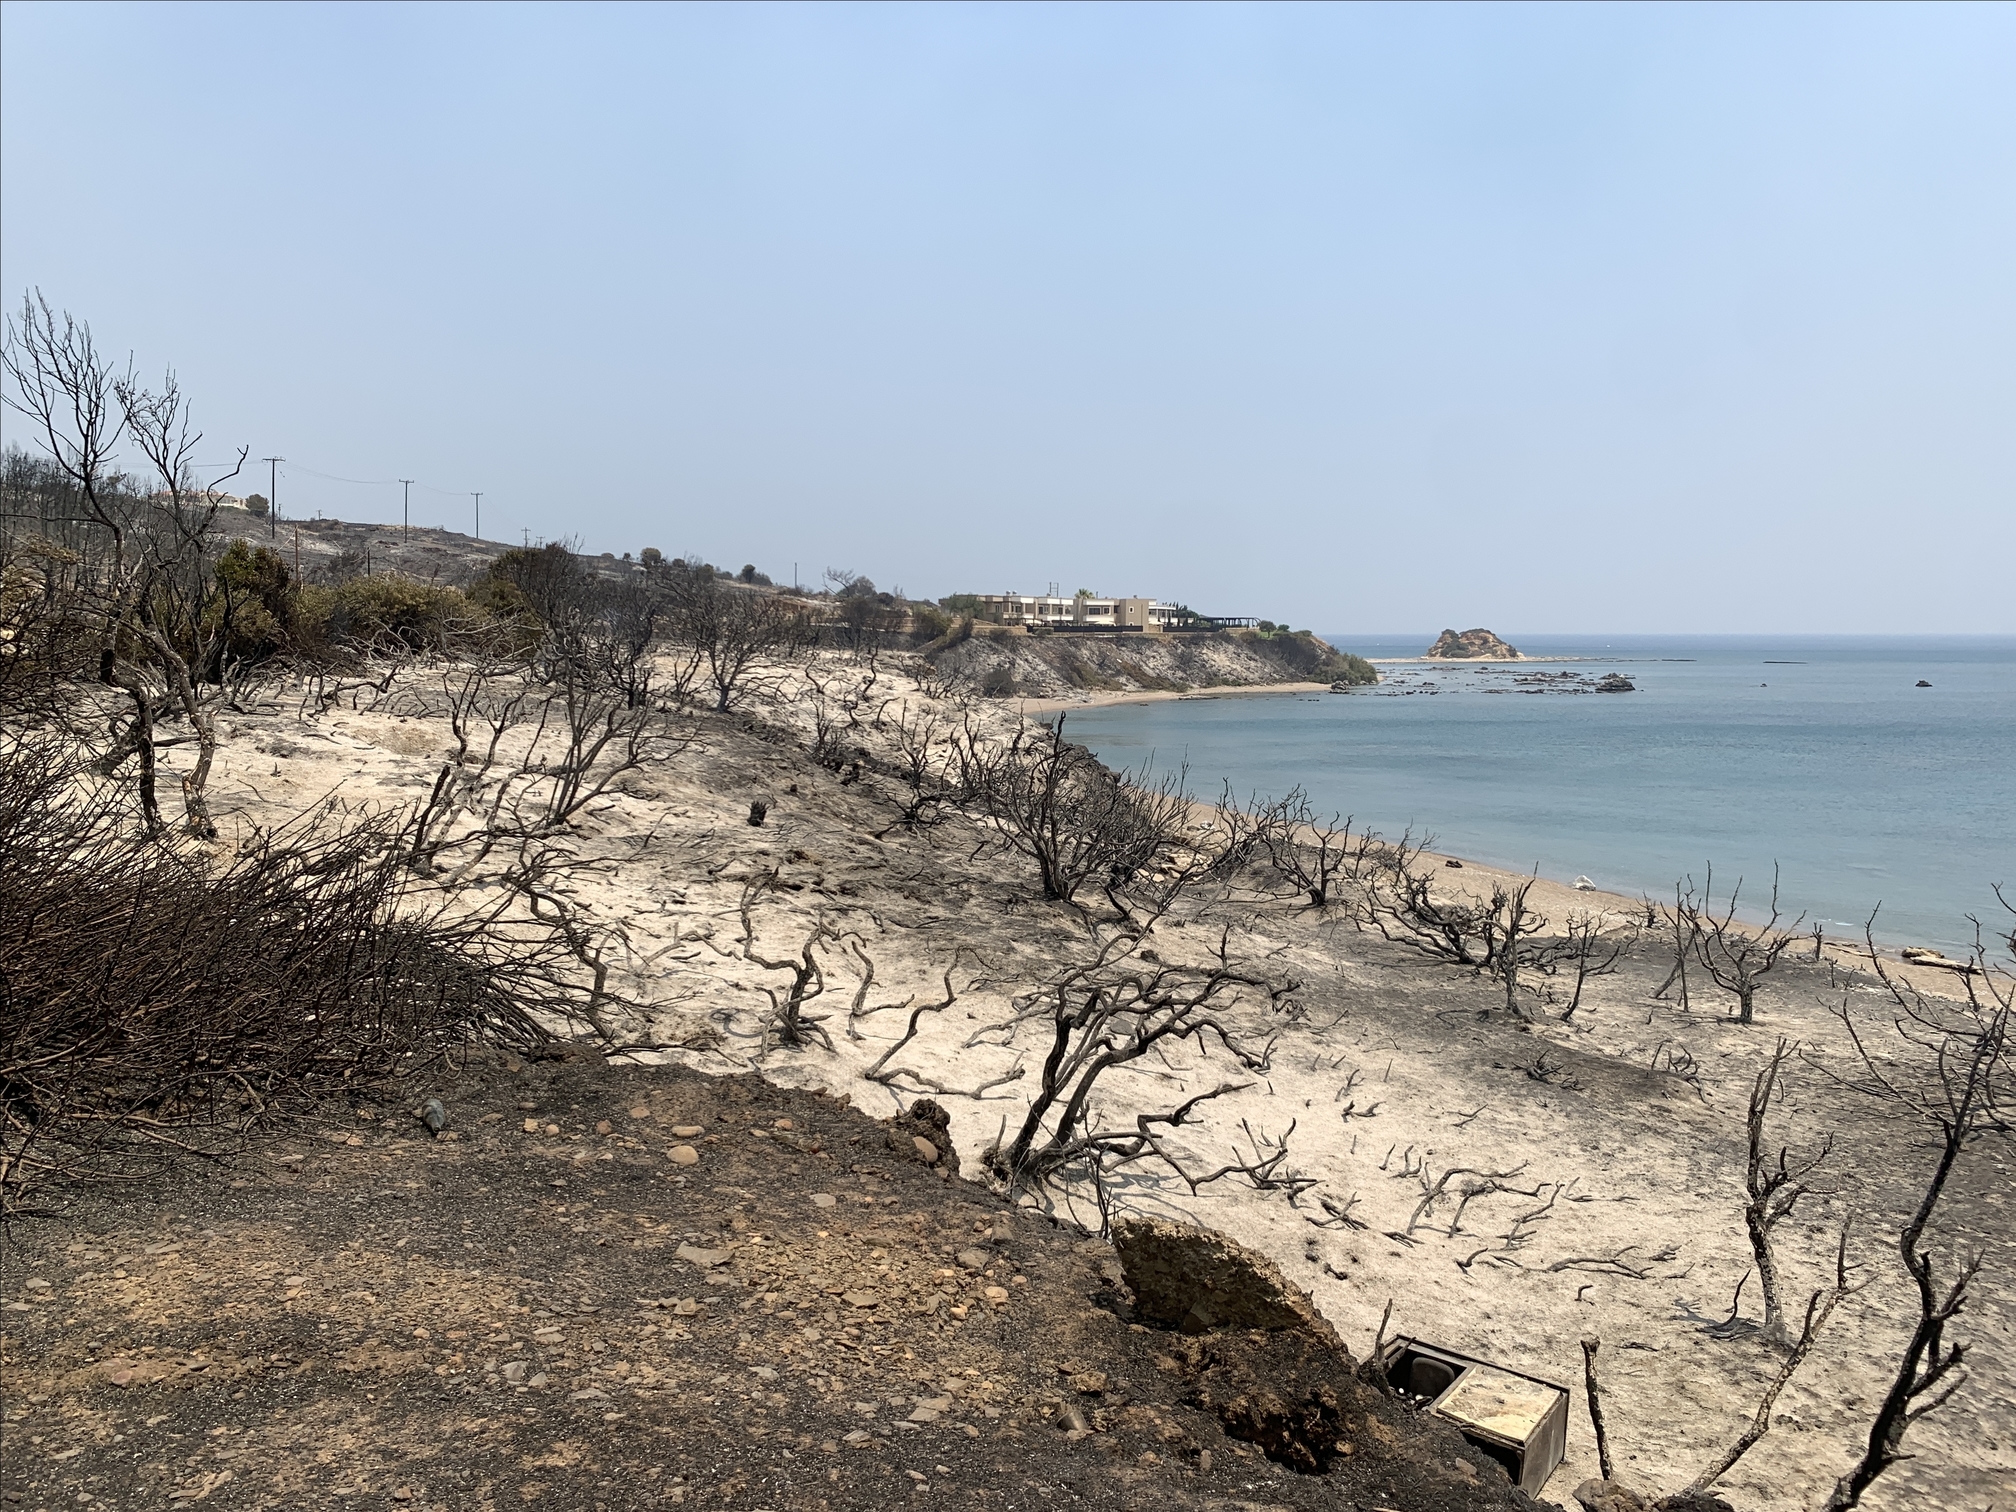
(502,599)
(549,578)
(256,603)
(1353,671)
(930,623)
(1308,658)
(370,611)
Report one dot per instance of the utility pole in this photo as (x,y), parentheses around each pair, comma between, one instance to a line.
(406,509)
(479,516)
(272,494)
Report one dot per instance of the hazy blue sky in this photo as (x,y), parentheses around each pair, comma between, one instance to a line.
(1545,318)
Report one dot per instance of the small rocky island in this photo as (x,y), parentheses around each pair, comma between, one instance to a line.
(1472,645)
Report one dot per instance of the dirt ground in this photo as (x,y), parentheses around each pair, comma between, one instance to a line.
(1617,1138)
(544,1308)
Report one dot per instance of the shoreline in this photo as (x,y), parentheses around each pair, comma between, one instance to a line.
(1518,661)
(1845,952)
(1555,899)
(1041,706)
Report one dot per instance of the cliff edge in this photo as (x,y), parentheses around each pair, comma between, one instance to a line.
(1006,663)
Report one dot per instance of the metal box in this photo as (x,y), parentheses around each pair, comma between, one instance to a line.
(1518,1419)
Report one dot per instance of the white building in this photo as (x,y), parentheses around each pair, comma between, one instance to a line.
(1080,612)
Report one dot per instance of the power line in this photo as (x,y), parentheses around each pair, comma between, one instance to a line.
(406,498)
(359,482)
(424,487)
(408,484)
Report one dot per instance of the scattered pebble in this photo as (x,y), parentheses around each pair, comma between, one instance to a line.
(684,1155)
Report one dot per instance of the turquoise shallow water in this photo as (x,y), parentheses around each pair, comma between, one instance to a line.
(1817,752)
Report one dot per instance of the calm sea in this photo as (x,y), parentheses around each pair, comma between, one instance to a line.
(1818,753)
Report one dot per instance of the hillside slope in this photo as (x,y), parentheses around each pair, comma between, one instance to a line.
(1393,1076)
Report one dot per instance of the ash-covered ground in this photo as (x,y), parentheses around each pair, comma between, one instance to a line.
(1613,1144)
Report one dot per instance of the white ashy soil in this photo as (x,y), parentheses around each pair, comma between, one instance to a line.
(1388,1070)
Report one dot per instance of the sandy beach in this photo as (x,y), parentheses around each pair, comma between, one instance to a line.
(1039,708)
